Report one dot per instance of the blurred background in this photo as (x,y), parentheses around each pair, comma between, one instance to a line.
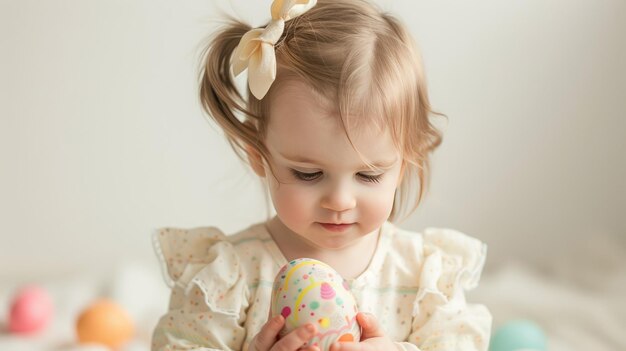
(102,140)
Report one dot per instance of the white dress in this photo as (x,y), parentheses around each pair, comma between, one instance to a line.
(414,285)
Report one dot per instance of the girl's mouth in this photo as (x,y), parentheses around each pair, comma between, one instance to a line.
(336,227)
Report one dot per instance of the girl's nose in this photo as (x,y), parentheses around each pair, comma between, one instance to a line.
(339,197)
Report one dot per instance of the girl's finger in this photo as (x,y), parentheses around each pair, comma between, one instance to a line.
(266,337)
(337,346)
(349,346)
(369,325)
(296,338)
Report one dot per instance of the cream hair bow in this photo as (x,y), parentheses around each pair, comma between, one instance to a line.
(256,48)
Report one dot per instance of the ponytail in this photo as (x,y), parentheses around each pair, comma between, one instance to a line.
(219,96)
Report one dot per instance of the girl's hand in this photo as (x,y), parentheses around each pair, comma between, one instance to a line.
(265,340)
(372,337)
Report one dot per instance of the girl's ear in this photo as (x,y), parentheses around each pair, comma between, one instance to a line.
(256,161)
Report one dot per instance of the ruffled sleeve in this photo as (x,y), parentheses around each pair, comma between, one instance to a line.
(209,296)
(442,319)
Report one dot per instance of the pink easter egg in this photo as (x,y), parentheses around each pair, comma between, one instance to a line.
(31,310)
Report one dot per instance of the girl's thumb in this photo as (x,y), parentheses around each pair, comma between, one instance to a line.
(370,326)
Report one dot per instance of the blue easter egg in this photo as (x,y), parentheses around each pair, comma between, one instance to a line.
(518,335)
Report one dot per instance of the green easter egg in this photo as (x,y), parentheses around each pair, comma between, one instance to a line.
(518,335)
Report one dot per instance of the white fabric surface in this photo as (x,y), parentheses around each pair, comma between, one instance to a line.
(138,288)
(578,300)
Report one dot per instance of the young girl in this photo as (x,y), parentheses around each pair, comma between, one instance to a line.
(336,122)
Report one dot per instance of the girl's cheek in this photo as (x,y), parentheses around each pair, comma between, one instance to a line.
(378,204)
(293,200)
(381,203)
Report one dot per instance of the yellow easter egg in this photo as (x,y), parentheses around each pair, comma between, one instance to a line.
(104,322)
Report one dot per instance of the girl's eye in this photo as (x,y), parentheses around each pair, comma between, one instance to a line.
(306,176)
(371,178)
(313,176)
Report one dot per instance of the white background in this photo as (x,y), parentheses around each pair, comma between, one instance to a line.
(102,138)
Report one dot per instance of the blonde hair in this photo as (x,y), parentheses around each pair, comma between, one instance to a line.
(347,51)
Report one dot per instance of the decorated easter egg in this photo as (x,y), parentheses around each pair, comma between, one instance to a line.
(31,310)
(518,335)
(310,291)
(104,322)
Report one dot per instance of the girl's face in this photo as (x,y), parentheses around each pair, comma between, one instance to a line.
(321,180)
